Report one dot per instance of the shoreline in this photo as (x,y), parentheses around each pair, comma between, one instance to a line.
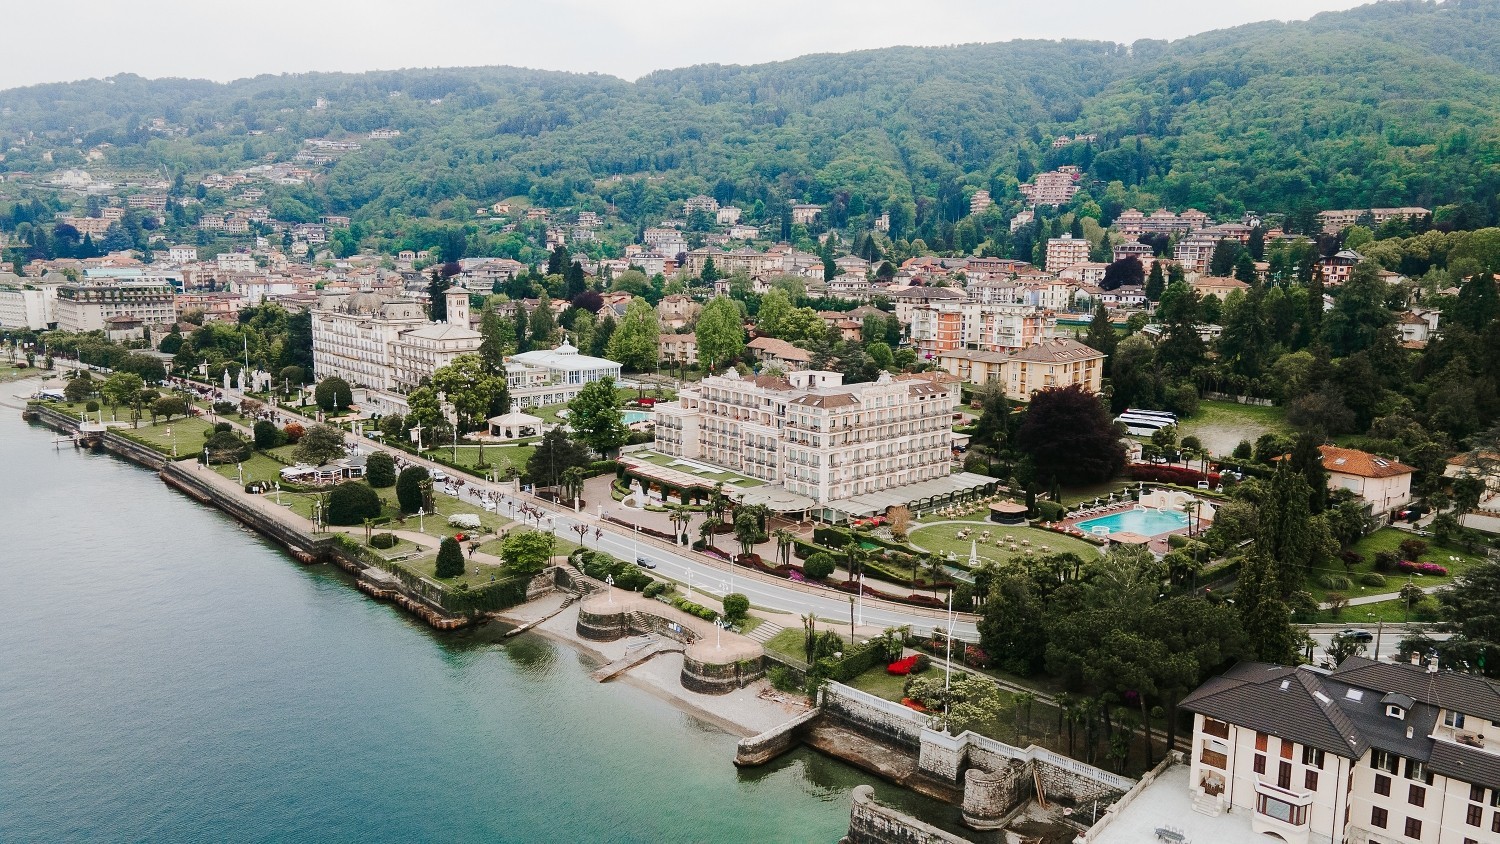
(742,713)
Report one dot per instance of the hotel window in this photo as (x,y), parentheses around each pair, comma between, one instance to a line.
(1413,828)
(1386,761)
(1495,823)
(1417,771)
(1312,757)
(1310,781)
(1453,719)
(1284,775)
(1260,741)
(1474,816)
(1416,795)
(1378,818)
(1281,810)
(1383,785)
(1286,749)
(1476,793)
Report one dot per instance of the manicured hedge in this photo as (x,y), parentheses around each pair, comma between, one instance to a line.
(1172,475)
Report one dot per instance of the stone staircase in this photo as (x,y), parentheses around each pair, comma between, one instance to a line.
(764,632)
(1205,804)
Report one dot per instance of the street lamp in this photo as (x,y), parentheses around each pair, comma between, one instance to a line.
(421,522)
(609,591)
(174,443)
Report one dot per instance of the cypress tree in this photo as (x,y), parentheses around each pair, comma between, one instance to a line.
(450,558)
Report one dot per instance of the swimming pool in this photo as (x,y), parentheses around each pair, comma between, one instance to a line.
(633,416)
(1143,522)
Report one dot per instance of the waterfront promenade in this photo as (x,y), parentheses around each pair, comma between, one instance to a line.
(706,574)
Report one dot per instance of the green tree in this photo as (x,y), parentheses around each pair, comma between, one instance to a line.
(496,341)
(594,414)
(636,343)
(226,447)
(351,502)
(414,490)
(470,388)
(170,406)
(1101,336)
(1266,617)
(450,559)
(553,457)
(333,393)
(736,606)
(1069,436)
(720,333)
(121,388)
(818,565)
(1156,283)
(543,323)
(526,551)
(1359,317)
(267,435)
(380,470)
(437,295)
(320,444)
(775,309)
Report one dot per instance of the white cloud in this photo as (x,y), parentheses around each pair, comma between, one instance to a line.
(221,40)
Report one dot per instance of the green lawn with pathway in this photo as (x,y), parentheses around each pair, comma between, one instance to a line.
(943,539)
(1389,539)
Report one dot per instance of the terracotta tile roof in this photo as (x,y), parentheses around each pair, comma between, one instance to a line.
(779,348)
(1061,350)
(1349,461)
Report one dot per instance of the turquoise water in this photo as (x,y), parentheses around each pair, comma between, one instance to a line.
(169,677)
(633,416)
(1143,522)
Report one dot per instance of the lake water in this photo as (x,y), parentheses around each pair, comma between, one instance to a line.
(166,676)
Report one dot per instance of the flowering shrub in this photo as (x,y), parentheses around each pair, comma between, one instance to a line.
(902,667)
(975,657)
(1422,568)
(1179,475)
(913,704)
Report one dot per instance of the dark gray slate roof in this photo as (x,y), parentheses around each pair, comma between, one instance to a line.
(1467,764)
(1280,701)
(1366,710)
(1466,693)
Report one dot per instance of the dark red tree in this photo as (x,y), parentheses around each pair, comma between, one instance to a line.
(1070,436)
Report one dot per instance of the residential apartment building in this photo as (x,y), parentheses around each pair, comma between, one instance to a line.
(1195,253)
(1134,249)
(1132,222)
(805,214)
(980,202)
(88,305)
(29,303)
(1338,267)
(1066,251)
(677,310)
(1054,188)
(674,349)
(1057,362)
(947,325)
(1367,753)
(820,439)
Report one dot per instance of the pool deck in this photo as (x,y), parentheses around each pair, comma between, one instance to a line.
(1158,543)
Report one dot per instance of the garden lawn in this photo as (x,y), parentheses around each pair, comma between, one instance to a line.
(943,539)
(189,432)
(1389,539)
(500,458)
(1220,425)
(788,643)
(1392,611)
(1073,496)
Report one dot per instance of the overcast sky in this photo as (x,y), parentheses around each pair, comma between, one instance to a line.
(224,39)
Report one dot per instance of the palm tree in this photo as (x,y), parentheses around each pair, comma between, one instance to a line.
(934,566)
(706,532)
(572,483)
(1064,703)
(1023,702)
(680,515)
(718,503)
(853,559)
(784,539)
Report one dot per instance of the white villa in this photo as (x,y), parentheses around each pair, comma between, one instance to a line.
(553,376)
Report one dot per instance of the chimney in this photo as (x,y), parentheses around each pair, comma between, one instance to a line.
(1409,732)
(1416,658)
(458,307)
(1432,664)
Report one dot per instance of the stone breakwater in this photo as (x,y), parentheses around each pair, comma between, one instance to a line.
(714,662)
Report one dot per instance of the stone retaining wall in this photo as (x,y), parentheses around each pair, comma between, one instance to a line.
(709,678)
(1114,810)
(885,720)
(872,823)
(758,750)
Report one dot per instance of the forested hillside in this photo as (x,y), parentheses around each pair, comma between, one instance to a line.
(1390,104)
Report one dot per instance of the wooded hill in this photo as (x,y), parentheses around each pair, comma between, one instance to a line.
(1390,104)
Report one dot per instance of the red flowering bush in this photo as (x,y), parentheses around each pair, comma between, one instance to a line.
(903,666)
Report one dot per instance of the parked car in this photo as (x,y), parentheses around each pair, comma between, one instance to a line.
(644,563)
(1358,635)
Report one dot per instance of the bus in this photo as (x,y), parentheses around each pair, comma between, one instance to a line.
(1158,414)
(1142,426)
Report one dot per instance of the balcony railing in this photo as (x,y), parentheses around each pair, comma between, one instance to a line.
(1214,759)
